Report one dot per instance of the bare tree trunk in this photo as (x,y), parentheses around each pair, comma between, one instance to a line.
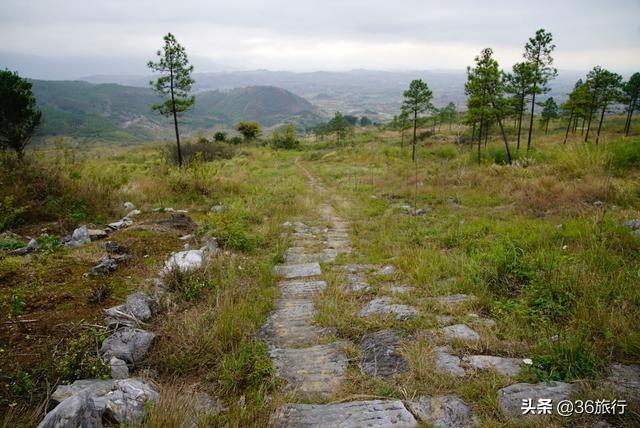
(592,107)
(628,124)
(533,105)
(415,124)
(480,136)
(404,120)
(520,120)
(504,136)
(604,107)
(546,127)
(566,135)
(175,121)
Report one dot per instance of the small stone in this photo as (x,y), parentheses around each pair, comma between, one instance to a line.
(133,213)
(598,203)
(625,380)
(184,261)
(185,237)
(128,401)
(129,206)
(210,245)
(397,289)
(29,248)
(356,282)
(386,270)
(384,306)
(460,332)
(447,411)
(79,237)
(374,413)
(504,366)
(217,208)
(108,264)
(120,224)
(510,399)
(298,270)
(633,224)
(447,363)
(380,354)
(128,344)
(135,310)
(119,369)
(444,319)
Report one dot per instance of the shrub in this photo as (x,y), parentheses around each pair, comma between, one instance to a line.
(81,360)
(235,140)
(625,155)
(508,269)
(248,368)
(285,138)
(567,359)
(220,136)
(9,213)
(203,150)
(249,130)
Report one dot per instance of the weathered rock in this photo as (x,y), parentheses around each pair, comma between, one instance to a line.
(31,246)
(356,268)
(356,282)
(76,411)
(625,380)
(120,224)
(300,289)
(95,234)
(94,387)
(443,412)
(454,299)
(217,208)
(510,399)
(380,354)
(129,206)
(386,270)
(112,247)
(108,264)
(135,310)
(127,401)
(184,261)
(354,414)
(79,237)
(128,344)
(312,372)
(460,332)
(119,369)
(397,289)
(133,213)
(298,271)
(633,224)
(447,363)
(384,306)
(291,324)
(485,322)
(504,366)
(210,245)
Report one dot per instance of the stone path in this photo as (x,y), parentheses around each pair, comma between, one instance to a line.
(314,370)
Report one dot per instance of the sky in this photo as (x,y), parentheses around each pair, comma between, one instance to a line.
(74,38)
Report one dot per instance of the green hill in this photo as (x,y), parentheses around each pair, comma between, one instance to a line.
(115,112)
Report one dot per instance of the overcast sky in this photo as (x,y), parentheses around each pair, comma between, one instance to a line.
(72,38)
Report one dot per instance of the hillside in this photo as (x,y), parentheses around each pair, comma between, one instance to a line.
(116,112)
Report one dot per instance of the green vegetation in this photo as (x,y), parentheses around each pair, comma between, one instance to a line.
(19,116)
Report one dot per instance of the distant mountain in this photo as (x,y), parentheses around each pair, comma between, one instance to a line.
(117,112)
(354,92)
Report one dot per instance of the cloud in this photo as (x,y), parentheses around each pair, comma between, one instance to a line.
(328,34)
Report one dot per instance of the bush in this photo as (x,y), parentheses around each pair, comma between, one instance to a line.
(625,155)
(566,360)
(220,136)
(235,140)
(9,213)
(508,269)
(203,150)
(249,130)
(248,368)
(81,360)
(285,138)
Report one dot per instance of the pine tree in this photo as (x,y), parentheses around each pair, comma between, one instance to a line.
(604,87)
(417,99)
(174,84)
(632,92)
(537,53)
(518,83)
(549,111)
(485,88)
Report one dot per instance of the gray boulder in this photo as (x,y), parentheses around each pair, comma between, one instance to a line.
(119,369)
(31,246)
(95,234)
(108,264)
(447,363)
(217,208)
(184,261)
(510,399)
(504,366)
(76,411)
(460,332)
(135,310)
(122,401)
(79,237)
(120,224)
(383,306)
(443,412)
(128,344)
(380,354)
(625,380)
